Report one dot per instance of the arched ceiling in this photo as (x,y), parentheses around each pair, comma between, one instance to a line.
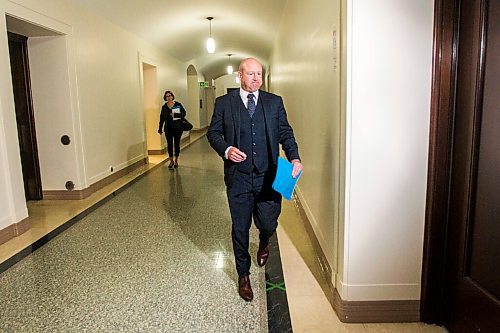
(242,28)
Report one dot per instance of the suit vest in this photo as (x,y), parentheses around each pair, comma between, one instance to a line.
(253,140)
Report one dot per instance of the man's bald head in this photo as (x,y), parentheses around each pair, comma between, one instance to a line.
(250,74)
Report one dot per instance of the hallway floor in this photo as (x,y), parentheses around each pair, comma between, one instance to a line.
(157,257)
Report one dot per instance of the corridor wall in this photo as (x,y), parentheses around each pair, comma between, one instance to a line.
(356,78)
(303,74)
(102,110)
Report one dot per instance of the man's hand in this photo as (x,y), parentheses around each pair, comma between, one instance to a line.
(297,168)
(236,155)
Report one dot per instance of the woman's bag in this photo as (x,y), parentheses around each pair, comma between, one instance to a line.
(186,125)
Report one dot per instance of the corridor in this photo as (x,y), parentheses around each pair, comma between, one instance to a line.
(156,257)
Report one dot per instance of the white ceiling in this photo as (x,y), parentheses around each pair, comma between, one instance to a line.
(242,28)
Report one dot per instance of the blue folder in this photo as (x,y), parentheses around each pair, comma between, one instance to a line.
(284,183)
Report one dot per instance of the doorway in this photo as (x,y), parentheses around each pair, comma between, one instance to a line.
(461,282)
(210,102)
(21,84)
(193,92)
(151,109)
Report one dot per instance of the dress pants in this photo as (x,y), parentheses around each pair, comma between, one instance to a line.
(252,195)
(173,141)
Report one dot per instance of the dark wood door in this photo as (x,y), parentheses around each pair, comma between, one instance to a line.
(18,52)
(472,271)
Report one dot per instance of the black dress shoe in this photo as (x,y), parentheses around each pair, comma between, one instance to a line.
(244,288)
(263,254)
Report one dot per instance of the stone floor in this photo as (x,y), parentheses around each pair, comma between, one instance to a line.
(156,257)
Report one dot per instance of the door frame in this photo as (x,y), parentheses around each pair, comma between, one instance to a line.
(37,193)
(443,97)
(444,71)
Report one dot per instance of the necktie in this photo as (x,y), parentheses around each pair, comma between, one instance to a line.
(251,104)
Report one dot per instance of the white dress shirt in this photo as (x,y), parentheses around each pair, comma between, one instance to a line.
(244,99)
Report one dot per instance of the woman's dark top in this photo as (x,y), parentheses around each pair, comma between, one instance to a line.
(166,118)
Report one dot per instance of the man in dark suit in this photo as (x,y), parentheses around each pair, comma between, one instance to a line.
(247,127)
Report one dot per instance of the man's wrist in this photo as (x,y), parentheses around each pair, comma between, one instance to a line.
(226,152)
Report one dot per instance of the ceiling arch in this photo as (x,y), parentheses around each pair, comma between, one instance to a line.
(191,70)
(242,28)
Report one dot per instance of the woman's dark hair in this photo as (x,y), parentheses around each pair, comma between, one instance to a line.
(168,92)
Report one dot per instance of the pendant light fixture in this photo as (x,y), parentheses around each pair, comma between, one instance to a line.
(229,67)
(210,40)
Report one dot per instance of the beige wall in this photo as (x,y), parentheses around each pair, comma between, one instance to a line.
(210,102)
(96,98)
(193,100)
(389,65)
(12,201)
(51,94)
(363,139)
(302,71)
(203,110)
(195,114)
(224,82)
(6,204)
(153,99)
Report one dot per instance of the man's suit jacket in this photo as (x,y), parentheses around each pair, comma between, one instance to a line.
(224,129)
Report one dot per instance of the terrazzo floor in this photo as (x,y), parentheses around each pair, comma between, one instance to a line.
(157,257)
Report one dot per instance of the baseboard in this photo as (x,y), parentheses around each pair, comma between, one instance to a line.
(184,140)
(199,129)
(7,233)
(84,193)
(21,227)
(359,311)
(325,266)
(376,311)
(157,151)
(13,230)
(65,194)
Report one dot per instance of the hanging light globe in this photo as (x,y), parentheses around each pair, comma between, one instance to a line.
(210,45)
(210,40)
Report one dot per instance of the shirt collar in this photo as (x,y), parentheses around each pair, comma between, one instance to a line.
(244,94)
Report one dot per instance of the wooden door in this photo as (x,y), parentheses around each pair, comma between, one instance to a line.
(18,52)
(461,268)
(472,270)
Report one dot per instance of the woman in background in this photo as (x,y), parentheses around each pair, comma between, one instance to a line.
(171,115)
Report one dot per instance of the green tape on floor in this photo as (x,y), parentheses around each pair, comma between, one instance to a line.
(272,286)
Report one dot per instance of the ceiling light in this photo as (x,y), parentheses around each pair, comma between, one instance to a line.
(210,40)
(229,67)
